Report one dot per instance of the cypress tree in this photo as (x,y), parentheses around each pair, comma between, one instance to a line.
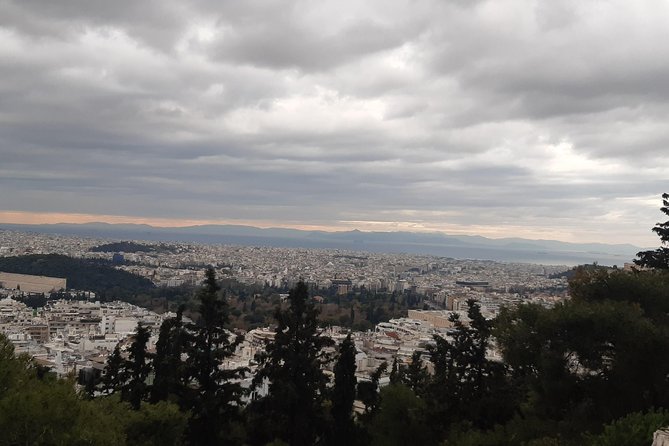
(214,397)
(115,374)
(138,367)
(416,376)
(343,394)
(170,381)
(396,372)
(292,411)
(464,380)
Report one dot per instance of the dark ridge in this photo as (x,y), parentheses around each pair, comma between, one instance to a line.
(81,274)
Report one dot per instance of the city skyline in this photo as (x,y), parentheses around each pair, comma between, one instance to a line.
(500,119)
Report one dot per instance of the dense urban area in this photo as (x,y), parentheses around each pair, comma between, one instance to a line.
(272,346)
(71,335)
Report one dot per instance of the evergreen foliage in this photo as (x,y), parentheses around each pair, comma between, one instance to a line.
(658,258)
(585,363)
(122,247)
(634,429)
(215,397)
(137,369)
(396,372)
(466,386)
(115,372)
(400,420)
(416,376)
(368,391)
(343,394)
(82,274)
(293,409)
(38,409)
(170,381)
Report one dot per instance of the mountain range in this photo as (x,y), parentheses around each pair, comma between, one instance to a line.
(455,246)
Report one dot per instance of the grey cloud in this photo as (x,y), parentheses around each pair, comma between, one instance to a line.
(291,46)
(515,113)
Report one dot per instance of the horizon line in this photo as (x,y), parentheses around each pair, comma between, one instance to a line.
(55,218)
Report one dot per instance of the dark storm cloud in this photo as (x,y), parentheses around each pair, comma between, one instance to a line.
(538,117)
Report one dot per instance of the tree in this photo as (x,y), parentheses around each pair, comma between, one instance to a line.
(292,411)
(396,372)
(216,396)
(115,372)
(582,364)
(400,419)
(416,376)
(658,258)
(137,369)
(466,385)
(12,369)
(634,429)
(368,391)
(343,394)
(160,424)
(170,381)
(648,289)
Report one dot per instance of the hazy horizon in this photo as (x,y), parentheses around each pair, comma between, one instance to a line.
(77,219)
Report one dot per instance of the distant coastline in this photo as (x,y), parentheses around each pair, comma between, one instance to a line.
(547,252)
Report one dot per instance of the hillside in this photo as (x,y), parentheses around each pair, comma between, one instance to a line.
(81,274)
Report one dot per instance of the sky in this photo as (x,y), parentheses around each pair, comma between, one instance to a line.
(503,118)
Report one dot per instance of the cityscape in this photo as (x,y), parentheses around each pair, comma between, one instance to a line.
(73,335)
(334,223)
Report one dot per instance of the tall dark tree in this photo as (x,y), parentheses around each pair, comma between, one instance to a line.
(171,380)
(396,372)
(216,396)
(343,394)
(466,385)
(292,410)
(137,368)
(115,372)
(416,376)
(658,258)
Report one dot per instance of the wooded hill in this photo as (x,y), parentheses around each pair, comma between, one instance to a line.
(98,276)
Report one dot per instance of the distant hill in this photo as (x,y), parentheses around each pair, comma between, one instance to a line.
(132,247)
(81,274)
(122,247)
(455,246)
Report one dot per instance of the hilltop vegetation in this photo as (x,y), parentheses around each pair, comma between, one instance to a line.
(591,371)
(132,247)
(122,247)
(82,274)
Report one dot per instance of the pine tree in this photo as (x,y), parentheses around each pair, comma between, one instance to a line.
(396,372)
(115,374)
(170,381)
(292,411)
(416,376)
(658,258)
(464,380)
(368,391)
(215,399)
(343,394)
(137,367)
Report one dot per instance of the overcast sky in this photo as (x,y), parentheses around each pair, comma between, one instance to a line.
(544,119)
